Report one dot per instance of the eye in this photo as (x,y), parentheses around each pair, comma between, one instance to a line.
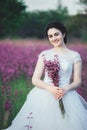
(50,36)
(56,34)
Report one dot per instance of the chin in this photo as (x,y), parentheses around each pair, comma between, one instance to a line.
(57,45)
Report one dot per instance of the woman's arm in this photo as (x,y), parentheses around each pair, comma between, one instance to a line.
(76,77)
(36,80)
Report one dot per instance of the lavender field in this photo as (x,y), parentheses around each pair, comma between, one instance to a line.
(17,63)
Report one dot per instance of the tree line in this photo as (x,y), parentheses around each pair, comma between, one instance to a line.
(16,22)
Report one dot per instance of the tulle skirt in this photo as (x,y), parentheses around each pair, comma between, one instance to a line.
(41,111)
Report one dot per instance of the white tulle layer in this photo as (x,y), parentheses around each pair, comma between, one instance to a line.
(41,112)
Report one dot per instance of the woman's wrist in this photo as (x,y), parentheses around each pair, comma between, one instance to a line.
(66,89)
(48,87)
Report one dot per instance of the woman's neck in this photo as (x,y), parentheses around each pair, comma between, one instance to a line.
(60,48)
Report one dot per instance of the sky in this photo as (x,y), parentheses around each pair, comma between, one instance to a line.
(73,5)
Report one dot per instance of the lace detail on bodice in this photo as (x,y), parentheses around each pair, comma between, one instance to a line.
(66,65)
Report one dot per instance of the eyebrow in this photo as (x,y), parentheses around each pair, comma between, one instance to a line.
(53,34)
(49,34)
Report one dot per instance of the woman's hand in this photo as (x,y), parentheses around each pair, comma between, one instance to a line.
(57,92)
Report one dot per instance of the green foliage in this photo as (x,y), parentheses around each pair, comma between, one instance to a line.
(11,14)
(77,26)
(17,22)
(84,4)
(20,88)
(36,21)
(62,10)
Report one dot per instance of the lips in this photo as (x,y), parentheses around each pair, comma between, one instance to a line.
(56,42)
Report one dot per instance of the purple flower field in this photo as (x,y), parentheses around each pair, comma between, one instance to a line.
(19,58)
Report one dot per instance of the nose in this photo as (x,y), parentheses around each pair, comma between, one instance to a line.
(54,38)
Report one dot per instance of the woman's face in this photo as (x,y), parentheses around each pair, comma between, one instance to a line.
(55,37)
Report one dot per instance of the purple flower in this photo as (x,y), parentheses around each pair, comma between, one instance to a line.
(53,67)
(8,105)
(29,118)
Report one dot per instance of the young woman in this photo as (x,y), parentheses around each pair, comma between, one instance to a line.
(54,104)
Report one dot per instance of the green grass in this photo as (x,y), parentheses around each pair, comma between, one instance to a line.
(20,88)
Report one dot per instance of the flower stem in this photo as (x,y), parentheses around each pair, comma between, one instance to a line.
(62,107)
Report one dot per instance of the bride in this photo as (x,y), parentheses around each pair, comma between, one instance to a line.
(54,104)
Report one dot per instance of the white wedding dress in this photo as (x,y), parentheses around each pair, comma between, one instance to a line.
(41,110)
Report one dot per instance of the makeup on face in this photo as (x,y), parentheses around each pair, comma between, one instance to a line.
(55,36)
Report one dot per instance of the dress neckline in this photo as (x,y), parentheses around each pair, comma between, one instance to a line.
(61,54)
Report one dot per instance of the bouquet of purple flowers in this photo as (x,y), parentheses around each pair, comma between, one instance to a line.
(52,67)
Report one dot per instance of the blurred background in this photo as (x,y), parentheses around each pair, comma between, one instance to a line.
(22,38)
(27,19)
